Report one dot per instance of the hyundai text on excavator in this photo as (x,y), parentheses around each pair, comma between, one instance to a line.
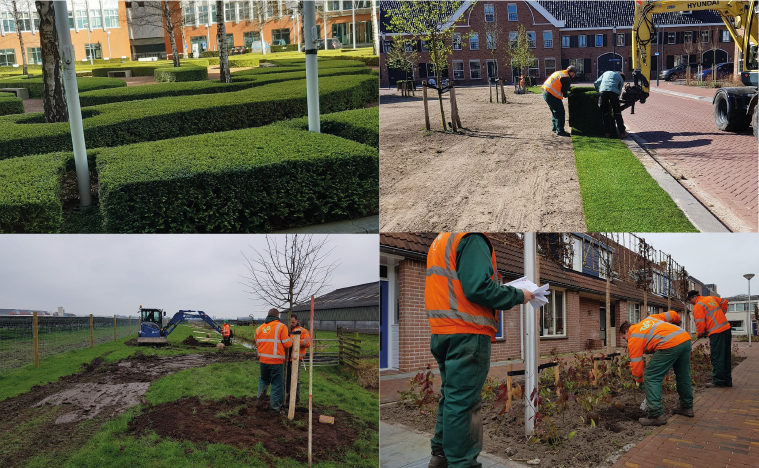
(734,108)
(152,330)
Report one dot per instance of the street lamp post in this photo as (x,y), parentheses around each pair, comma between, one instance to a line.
(614,46)
(749,327)
(108,35)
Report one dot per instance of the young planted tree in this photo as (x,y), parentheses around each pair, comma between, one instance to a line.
(519,52)
(714,38)
(688,49)
(53,95)
(165,15)
(221,41)
(493,34)
(375,29)
(20,24)
(402,56)
(429,21)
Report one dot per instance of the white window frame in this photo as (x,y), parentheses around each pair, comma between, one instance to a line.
(652,310)
(479,67)
(579,64)
(688,37)
(548,43)
(582,40)
(474,41)
(599,36)
(96,16)
(725,36)
(620,40)
(491,7)
(463,76)
(567,40)
(513,39)
(534,43)
(547,68)
(671,38)
(633,309)
(508,10)
(551,303)
(457,41)
(530,69)
(489,42)
(111,17)
(705,35)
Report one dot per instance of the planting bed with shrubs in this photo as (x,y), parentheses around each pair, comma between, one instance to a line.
(10,104)
(34,85)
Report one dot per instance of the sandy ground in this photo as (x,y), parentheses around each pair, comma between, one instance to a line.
(505,172)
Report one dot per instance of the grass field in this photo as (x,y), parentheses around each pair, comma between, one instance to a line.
(369,343)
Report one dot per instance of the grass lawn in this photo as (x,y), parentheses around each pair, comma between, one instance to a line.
(369,343)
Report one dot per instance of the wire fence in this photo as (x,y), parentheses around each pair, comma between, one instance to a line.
(28,339)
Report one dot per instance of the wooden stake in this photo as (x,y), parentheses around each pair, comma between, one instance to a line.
(426,108)
(508,384)
(130,325)
(92,341)
(455,107)
(454,127)
(35,336)
(503,94)
(295,353)
(490,88)
(114,328)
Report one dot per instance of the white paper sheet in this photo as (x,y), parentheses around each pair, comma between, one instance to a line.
(540,292)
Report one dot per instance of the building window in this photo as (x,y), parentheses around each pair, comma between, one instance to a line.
(347,5)
(671,38)
(582,40)
(489,14)
(565,42)
(200,41)
(425,47)
(633,312)
(81,19)
(655,38)
(550,66)
(249,37)
(34,55)
(333,5)
(230,41)
(203,14)
(725,36)
(245,10)
(71,19)
(512,8)
(388,45)
(547,39)
(705,37)
(620,40)
(280,35)
(189,14)
(687,37)
(652,310)
(579,65)
(229,11)
(457,41)
(409,47)
(24,22)
(474,42)
(269,9)
(534,69)
(490,42)
(7,57)
(532,40)
(9,24)
(513,39)
(474,70)
(599,40)
(553,315)
(96,20)
(458,70)
(492,68)
(111,18)
(94,51)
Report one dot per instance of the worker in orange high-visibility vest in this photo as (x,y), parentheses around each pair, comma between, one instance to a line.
(709,314)
(671,347)
(271,340)
(462,295)
(669,316)
(226,332)
(555,89)
(305,343)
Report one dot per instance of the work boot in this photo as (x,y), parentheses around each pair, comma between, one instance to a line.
(684,411)
(438,460)
(563,134)
(657,421)
(623,135)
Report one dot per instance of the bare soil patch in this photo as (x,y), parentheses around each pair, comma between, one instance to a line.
(506,171)
(191,341)
(245,422)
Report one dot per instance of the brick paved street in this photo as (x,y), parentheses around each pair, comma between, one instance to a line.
(724,432)
(720,168)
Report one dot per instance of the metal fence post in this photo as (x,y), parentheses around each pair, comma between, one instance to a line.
(35,335)
(340,345)
(92,340)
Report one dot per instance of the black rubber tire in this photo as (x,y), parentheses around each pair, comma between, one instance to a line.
(725,117)
(756,123)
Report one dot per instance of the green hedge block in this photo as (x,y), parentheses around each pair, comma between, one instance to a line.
(323,63)
(145,68)
(30,190)
(370,61)
(34,85)
(209,53)
(123,123)
(267,71)
(285,48)
(10,104)
(359,125)
(584,113)
(185,73)
(252,180)
(242,61)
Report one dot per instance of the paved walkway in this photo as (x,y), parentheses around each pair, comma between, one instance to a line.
(723,433)
(719,168)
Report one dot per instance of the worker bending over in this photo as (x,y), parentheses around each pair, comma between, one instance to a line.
(609,85)
(225,334)
(305,343)
(709,313)
(671,347)
(555,89)
(271,340)
(462,295)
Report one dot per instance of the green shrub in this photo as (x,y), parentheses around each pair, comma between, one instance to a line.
(249,180)
(145,68)
(10,104)
(359,125)
(267,71)
(584,113)
(244,61)
(285,48)
(209,53)
(34,85)
(323,63)
(30,190)
(185,73)
(370,61)
(170,117)
(213,61)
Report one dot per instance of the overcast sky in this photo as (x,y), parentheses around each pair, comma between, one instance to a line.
(115,274)
(721,259)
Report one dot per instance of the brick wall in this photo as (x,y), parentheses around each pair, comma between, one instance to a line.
(413,327)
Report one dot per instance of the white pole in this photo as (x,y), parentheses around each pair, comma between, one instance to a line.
(108,35)
(353,10)
(311,382)
(324,21)
(297,32)
(72,96)
(530,340)
(312,71)
(749,327)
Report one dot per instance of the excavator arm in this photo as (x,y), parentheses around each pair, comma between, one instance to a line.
(184,315)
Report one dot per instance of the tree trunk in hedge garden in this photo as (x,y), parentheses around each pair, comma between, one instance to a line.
(170,31)
(20,37)
(221,40)
(53,96)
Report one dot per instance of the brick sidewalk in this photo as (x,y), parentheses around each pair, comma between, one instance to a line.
(720,168)
(723,433)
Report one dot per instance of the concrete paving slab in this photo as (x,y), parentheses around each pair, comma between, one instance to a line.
(368,225)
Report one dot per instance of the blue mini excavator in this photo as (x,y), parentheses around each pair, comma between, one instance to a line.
(152,330)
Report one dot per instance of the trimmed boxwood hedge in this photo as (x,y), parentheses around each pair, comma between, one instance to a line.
(10,104)
(370,61)
(30,190)
(252,180)
(359,125)
(323,63)
(242,61)
(34,85)
(170,117)
(145,68)
(184,73)
(134,93)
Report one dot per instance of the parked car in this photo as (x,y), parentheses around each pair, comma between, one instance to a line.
(677,72)
(237,50)
(278,42)
(255,46)
(724,70)
(331,44)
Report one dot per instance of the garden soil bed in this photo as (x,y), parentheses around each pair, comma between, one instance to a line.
(246,422)
(506,171)
(65,414)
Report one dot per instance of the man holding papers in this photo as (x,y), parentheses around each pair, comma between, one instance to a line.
(461,296)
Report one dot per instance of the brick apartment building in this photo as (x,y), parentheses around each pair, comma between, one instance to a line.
(594,36)
(575,314)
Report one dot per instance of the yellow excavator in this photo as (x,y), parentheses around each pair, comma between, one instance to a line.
(735,108)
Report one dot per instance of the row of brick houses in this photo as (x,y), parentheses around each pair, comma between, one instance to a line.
(576,312)
(594,36)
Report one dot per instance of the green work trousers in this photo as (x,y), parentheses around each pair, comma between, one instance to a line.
(272,374)
(557,112)
(464,362)
(678,359)
(720,343)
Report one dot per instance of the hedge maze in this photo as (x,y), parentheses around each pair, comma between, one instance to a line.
(202,156)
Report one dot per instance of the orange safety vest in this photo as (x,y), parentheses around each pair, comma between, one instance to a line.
(709,313)
(553,83)
(271,341)
(648,336)
(670,316)
(225,331)
(448,310)
(305,341)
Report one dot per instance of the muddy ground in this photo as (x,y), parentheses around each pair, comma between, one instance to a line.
(505,171)
(64,415)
